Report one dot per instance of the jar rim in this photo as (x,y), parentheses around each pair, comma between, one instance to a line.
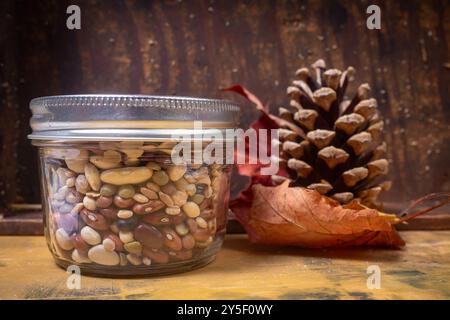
(130,100)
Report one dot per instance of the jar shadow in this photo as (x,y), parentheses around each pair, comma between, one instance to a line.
(241,243)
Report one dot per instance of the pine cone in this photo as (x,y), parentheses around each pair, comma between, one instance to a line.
(337,146)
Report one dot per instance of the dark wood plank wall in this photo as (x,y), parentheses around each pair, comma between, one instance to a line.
(195,47)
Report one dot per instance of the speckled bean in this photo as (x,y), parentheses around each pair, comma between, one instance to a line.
(146,213)
(172,240)
(149,207)
(150,194)
(173,211)
(94,219)
(158,218)
(140,198)
(166,199)
(124,214)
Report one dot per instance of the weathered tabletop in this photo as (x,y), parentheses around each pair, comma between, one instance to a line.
(242,270)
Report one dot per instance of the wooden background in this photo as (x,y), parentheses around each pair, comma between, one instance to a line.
(195,47)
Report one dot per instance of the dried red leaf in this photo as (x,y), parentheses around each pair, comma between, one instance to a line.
(285,215)
(297,216)
(249,96)
(243,203)
(264,122)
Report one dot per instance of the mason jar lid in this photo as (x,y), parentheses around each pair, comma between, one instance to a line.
(127,117)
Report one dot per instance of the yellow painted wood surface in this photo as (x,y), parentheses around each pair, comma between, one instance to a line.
(246,271)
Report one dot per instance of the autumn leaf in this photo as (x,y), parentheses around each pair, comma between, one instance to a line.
(297,216)
(242,204)
(265,121)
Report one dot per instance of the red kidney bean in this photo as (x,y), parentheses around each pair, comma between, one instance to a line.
(201,234)
(159,218)
(123,203)
(205,204)
(178,218)
(149,236)
(181,255)
(149,207)
(157,256)
(192,225)
(81,245)
(169,188)
(207,214)
(94,220)
(109,213)
(188,241)
(103,202)
(172,240)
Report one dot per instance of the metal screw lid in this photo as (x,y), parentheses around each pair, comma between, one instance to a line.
(127,117)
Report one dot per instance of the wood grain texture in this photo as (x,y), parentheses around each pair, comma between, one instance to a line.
(420,271)
(195,47)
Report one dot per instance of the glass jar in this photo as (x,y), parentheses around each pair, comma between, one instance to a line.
(115,201)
